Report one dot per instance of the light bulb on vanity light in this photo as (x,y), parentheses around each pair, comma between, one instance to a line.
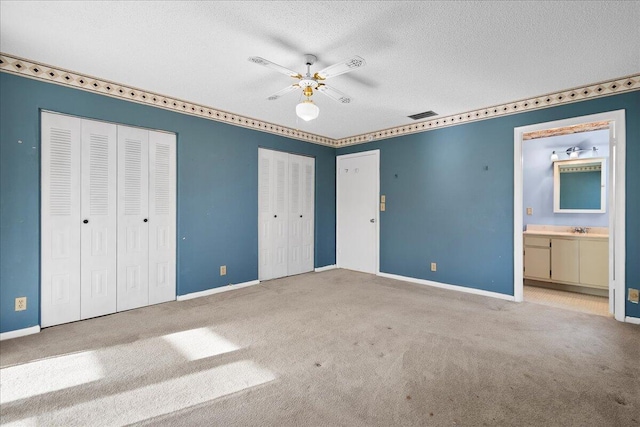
(554,157)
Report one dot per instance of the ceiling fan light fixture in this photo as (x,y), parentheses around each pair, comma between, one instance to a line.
(307,110)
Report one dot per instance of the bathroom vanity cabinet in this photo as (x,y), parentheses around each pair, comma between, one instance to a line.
(567,258)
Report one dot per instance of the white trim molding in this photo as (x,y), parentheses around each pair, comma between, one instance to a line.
(448,286)
(19,333)
(326,268)
(51,74)
(632,320)
(226,288)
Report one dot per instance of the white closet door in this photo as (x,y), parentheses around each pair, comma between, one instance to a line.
(265,213)
(133,216)
(308,214)
(272,214)
(296,206)
(280,220)
(60,219)
(162,217)
(98,213)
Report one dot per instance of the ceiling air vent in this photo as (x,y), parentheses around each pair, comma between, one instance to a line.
(423,115)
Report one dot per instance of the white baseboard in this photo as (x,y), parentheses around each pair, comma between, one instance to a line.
(19,333)
(634,320)
(449,287)
(216,290)
(325,268)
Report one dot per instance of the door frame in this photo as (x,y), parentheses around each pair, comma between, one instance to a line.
(376,154)
(616,199)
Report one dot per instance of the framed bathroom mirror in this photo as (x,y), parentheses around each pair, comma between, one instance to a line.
(579,186)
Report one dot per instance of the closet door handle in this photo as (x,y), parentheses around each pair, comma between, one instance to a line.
(86,221)
(145,220)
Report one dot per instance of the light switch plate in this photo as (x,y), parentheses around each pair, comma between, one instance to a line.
(383,199)
(529,211)
(382,207)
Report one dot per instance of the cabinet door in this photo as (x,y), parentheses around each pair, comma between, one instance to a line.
(594,263)
(133,226)
(162,217)
(98,213)
(537,263)
(565,260)
(60,219)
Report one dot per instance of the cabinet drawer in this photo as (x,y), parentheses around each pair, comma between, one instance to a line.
(536,241)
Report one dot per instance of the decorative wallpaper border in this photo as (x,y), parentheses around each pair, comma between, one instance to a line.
(580,93)
(43,72)
(48,73)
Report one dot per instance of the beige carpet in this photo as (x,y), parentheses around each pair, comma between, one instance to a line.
(323,349)
(567,300)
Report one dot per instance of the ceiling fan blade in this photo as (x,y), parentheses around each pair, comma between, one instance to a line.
(283,92)
(274,66)
(341,67)
(334,94)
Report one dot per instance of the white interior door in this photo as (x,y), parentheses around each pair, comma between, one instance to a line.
(162,217)
(357,211)
(98,214)
(308,213)
(133,217)
(296,204)
(60,219)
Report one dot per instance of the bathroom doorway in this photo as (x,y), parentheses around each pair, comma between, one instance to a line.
(564,254)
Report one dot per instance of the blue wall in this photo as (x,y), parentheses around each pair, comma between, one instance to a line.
(452,199)
(217,190)
(537,176)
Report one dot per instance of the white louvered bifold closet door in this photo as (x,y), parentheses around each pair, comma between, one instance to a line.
(285,214)
(133,217)
(60,219)
(296,204)
(274,219)
(265,213)
(308,213)
(162,217)
(98,213)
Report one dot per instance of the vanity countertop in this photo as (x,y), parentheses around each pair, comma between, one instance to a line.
(564,231)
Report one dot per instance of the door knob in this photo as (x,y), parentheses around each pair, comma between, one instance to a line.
(300,216)
(275,216)
(372,220)
(145,220)
(86,221)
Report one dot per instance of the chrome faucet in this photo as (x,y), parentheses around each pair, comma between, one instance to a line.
(581,230)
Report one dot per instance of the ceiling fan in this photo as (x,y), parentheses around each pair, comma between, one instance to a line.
(308,82)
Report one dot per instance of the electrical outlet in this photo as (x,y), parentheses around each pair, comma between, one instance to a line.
(434,266)
(634,295)
(223,270)
(529,211)
(21,303)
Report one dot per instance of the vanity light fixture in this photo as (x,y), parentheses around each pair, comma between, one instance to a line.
(574,153)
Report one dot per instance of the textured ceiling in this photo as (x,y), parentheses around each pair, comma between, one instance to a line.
(449,57)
